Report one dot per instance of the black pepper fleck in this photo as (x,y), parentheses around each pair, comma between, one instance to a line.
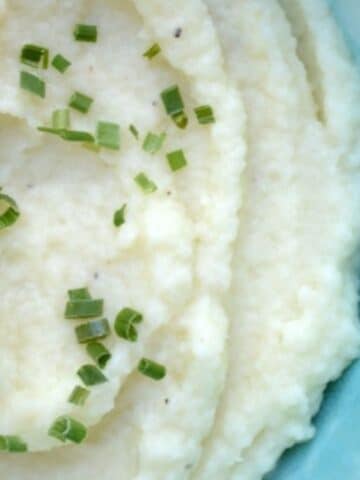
(167,401)
(96,275)
(178,32)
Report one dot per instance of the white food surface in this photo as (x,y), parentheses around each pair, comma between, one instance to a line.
(247,362)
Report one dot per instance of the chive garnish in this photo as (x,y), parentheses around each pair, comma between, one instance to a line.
(125,323)
(69,135)
(60,63)
(134,131)
(153,143)
(174,105)
(151,52)
(176,160)
(99,353)
(172,100)
(119,216)
(66,428)
(61,119)
(33,84)
(91,375)
(80,102)
(108,135)
(35,56)
(152,369)
(79,396)
(146,185)
(12,444)
(180,119)
(205,114)
(79,294)
(9,211)
(94,330)
(84,308)
(85,33)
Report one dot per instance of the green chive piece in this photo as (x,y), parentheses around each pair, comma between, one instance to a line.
(61,119)
(91,375)
(180,119)
(146,185)
(205,114)
(79,294)
(177,160)
(69,135)
(79,396)
(94,330)
(9,211)
(172,100)
(125,323)
(75,136)
(153,143)
(80,102)
(60,63)
(66,428)
(134,131)
(84,308)
(108,135)
(152,369)
(32,84)
(12,444)
(99,353)
(151,52)
(119,216)
(35,56)
(85,33)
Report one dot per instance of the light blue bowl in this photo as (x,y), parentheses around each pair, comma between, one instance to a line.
(334,454)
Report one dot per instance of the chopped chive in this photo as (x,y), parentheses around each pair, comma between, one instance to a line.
(12,444)
(69,135)
(79,294)
(84,308)
(151,369)
(119,216)
(80,102)
(91,375)
(66,428)
(108,135)
(151,52)
(94,330)
(9,211)
(146,185)
(85,33)
(99,353)
(35,56)
(75,136)
(177,160)
(124,324)
(79,396)
(33,84)
(172,100)
(205,114)
(60,63)
(153,143)
(61,119)
(180,119)
(134,131)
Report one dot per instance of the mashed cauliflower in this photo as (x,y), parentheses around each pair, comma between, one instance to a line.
(241,263)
